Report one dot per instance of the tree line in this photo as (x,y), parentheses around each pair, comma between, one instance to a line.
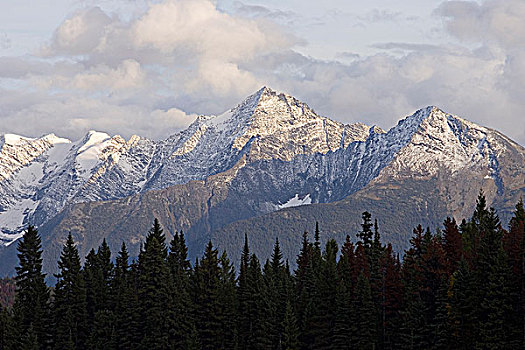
(461,287)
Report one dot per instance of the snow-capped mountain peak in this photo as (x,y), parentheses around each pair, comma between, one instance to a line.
(267,131)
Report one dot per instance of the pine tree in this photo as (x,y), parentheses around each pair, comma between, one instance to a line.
(305,276)
(463,305)
(32,312)
(391,299)
(153,290)
(182,309)
(98,273)
(441,328)
(70,300)
(494,333)
(8,334)
(366,234)
(514,245)
(276,286)
(258,305)
(341,338)
(228,303)
(124,303)
(363,307)
(412,316)
(326,289)
(243,297)
(208,309)
(452,244)
(290,330)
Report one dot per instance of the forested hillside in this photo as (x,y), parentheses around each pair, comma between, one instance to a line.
(461,287)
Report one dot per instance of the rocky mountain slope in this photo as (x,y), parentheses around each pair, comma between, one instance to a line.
(243,170)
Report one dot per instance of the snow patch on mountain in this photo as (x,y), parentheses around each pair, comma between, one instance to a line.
(296,201)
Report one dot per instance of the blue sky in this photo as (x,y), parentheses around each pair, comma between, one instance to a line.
(149,67)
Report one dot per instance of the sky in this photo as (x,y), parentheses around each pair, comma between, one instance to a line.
(150,67)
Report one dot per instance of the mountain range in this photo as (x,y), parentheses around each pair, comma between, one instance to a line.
(270,167)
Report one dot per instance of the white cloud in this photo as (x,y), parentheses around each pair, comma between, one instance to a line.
(149,73)
(128,75)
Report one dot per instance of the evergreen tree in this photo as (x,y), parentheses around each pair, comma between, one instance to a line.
(391,299)
(305,276)
(70,300)
(243,297)
(341,338)
(98,274)
(452,244)
(363,307)
(323,320)
(208,308)
(228,303)
(153,290)
(441,327)
(124,303)
(257,305)
(8,332)
(32,313)
(290,330)
(182,309)
(366,234)
(412,316)
(495,333)
(514,245)
(463,303)
(276,283)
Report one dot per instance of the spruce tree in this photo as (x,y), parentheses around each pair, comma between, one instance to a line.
(341,337)
(463,305)
(32,313)
(243,297)
(208,308)
(277,288)
(70,300)
(391,299)
(124,303)
(227,300)
(182,309)
(326,289)
(8,332)
(364,327)
(452,244)
(495,332)
(290,330)
(305,276)
(153,290)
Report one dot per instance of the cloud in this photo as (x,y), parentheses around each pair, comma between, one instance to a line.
(5,42)
(151,73)
(407,47)
(80,34)
(491,22)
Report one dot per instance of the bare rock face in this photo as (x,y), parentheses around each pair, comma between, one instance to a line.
(268,154)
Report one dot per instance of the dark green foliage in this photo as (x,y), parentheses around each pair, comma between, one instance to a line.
(181,306)
(460,288)
(153,290)
(32,313)
(290,329)
(7,329)
(228,303)
(70,300)
(125,306)
(206,294)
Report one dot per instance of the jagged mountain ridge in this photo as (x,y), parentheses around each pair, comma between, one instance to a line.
(266,125)
(267,154)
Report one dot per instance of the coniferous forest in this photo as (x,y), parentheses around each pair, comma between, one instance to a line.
(462,287)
